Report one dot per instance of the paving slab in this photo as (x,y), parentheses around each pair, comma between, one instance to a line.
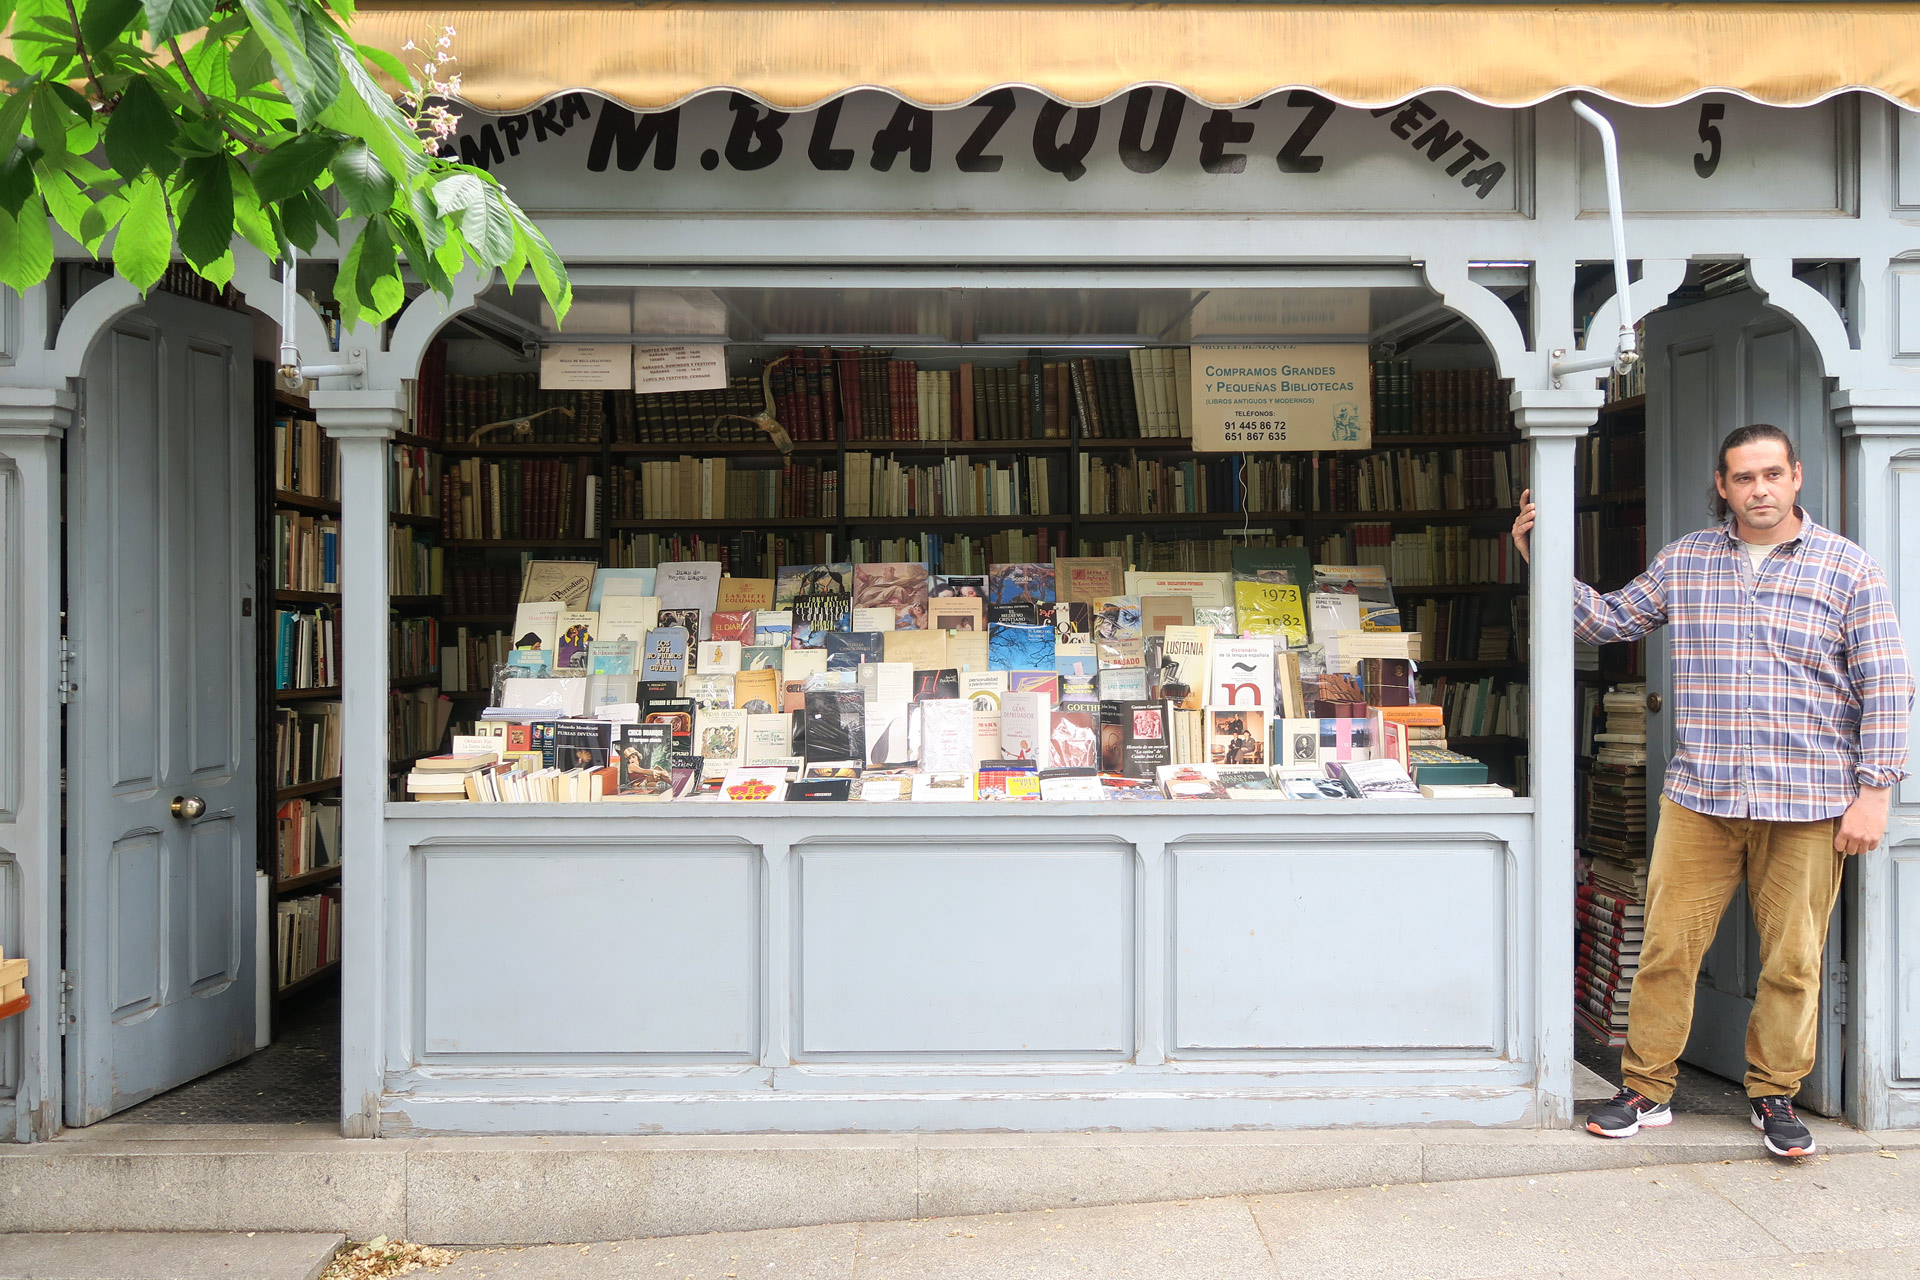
(1645,1222)
(792,1253)
(1184,1240)
(1012,1173)
(1852,1264)
(538,1191)
(186,1255)
(1827,1202)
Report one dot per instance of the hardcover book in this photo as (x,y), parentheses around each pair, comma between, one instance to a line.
(715,691)
(757,692)
(1270,609)
(582,744)
(846,650)
(901,586)
(922,649)
(1072,741)
(1157,613)
(866,619)
(772,628)
(941,683)
(1236,736)
(568,581)
(1241,672)
(1087,578)
(956,613)
(628,618)
(576,633)
(743,595)
(717,657)
(665,655)
(769,737)
(836,725)
(1182,676)
(1116,618)
(618,585)
(1122,684)
(689,584)
(1014,647)
(736,625)
(1028,583)
(611,657)
(646,762)
(720,736)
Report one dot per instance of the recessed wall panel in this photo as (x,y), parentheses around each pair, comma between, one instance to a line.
(930,948)
(605,950)
(134,516)
(137,901)
(1905,957)
(214,881)
(214,602)
(1339,945)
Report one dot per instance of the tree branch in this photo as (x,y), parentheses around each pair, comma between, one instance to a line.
(86,59)
(206,105)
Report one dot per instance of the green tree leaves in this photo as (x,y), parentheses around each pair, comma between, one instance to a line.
(260,120)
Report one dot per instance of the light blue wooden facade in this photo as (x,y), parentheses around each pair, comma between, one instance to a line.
(553,969)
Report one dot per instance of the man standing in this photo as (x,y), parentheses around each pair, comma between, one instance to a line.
(1791,693)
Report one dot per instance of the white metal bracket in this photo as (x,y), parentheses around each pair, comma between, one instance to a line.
(292,372)
(1626,347)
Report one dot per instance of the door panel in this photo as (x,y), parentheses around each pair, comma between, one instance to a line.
(160,907)
(1716,366)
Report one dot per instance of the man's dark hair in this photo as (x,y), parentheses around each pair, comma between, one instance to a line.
(1740,438)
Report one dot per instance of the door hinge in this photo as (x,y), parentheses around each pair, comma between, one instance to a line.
(66,1002)
(1841,991)
(68,686)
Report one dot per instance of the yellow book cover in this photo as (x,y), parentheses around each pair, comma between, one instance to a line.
(757,691)
(745,593)
(1270,609)
(925,650)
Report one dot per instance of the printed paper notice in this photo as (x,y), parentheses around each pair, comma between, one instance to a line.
(1282,396)
(682,368)
(578,367)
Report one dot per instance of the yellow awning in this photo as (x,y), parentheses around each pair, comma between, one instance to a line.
(798,55)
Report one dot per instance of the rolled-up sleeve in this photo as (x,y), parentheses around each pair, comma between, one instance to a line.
(1882,681)
(1626,614)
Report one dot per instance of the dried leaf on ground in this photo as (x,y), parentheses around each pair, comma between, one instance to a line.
(379,1258)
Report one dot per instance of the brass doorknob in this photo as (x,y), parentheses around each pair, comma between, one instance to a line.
(1653,702)
(188,806)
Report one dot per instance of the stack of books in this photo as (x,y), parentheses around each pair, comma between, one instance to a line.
(1612,901)
(445,777)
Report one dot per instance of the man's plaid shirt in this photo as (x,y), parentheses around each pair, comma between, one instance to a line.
(1791,689)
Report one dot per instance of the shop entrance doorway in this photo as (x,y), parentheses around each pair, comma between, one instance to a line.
(161,793)
(1713,366)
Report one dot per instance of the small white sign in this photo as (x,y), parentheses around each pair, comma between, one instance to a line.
(681,368)
(574,367)
(1282,396)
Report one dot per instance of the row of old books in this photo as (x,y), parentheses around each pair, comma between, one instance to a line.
(472,401)
(721,415)
(1474,628)
(536,498)
(306,743)
(1475,478)
(413,480)
(1611,546)
(306,460)
(306,648)
(1612,463)
(306,836)
(1440,554)
(416,565)
(306,552)
(693,488)
(748,552)
(307,933)
(416,721)
(880,485)
(1438,402)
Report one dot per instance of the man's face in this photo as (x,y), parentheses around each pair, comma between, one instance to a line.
(1759,484)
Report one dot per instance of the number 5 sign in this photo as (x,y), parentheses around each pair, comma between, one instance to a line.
(1723,154)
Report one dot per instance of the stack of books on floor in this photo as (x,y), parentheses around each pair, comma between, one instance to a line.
(1612,901)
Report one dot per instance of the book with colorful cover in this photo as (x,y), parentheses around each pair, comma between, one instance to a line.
(902,586)
(743,595)
(582,744)
(1241,672)
(1072,741)
(1190,782)
(848,649)
(1026,583)
(737,625)
(1116,618)
(1016,647)
(576,634)
(1183,669)
(645,757)
(757,692)
(1271,609)
(1236,735)
(664,656)
(720,737)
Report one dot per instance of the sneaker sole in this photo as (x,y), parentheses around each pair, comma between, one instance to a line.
(1645,1122)
(1789,1152)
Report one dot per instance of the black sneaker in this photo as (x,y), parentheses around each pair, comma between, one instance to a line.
(1780,1129)
(1626,1113)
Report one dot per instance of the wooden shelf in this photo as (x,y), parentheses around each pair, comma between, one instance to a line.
(958,446)
(305,789)
(533,544)
(301,502)
(1491,740)
(1632,404)
(1297,517)
(1460,588)
(287,400)
(474,619)
(578,448)
(731,522)
(467,695)
(430,523)
(325,875)
(318,975)
(1471,664)
(674,448)
(304,695)
(282,595)
(413,602)
(407,762)
(1443,442)
(413,682)
(957,522)
(407,437)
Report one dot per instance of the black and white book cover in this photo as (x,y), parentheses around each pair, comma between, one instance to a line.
(836,725)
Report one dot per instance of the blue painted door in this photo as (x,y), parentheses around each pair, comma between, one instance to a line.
(1715,366)
(160,574)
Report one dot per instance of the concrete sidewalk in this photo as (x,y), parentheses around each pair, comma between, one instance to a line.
(1852,1216)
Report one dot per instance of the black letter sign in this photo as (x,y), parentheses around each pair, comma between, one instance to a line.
(1047,149)
(1133,127)
(972,156)
(826,157)
(754,141)
(1293,157)
(1219,130)
(911,131)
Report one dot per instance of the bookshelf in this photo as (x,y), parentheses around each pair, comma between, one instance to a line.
(965,466)
(300,685)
